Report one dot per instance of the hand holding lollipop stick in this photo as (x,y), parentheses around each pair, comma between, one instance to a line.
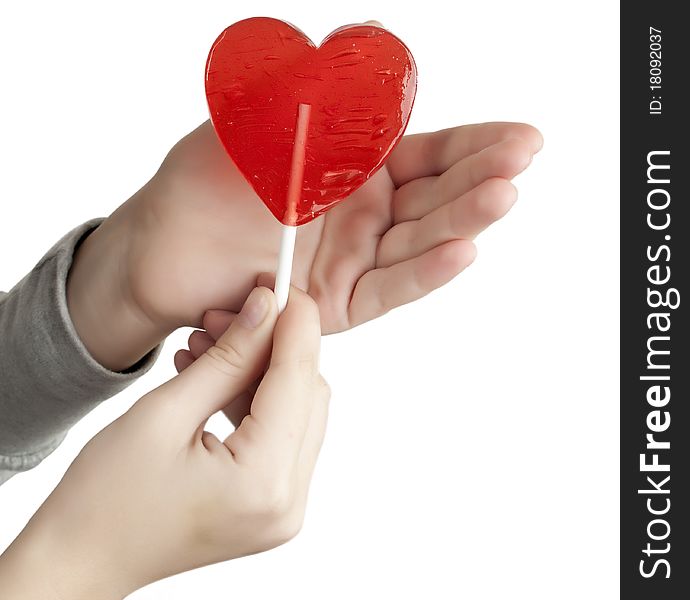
(307,125)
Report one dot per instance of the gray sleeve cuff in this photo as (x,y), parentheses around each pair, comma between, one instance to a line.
(5,475)
(48,379)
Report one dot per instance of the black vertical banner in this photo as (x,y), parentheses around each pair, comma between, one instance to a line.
(655,301)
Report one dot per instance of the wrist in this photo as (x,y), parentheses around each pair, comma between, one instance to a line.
(111,325)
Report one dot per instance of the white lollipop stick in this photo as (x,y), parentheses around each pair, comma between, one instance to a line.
(287,251)
(287,240)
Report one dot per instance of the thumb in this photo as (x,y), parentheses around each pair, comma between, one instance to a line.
(229,367)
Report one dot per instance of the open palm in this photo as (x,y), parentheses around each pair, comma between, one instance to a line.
(406,232)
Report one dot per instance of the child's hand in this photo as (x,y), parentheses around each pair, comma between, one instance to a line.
(153,494)
(196,236)
(404,233)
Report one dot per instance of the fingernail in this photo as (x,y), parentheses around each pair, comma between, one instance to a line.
(254,310)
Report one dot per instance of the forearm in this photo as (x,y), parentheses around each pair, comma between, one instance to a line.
(40,566)
(113,328)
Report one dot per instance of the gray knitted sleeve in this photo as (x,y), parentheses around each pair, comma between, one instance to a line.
(48,380)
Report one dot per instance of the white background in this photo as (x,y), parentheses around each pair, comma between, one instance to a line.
(472,449)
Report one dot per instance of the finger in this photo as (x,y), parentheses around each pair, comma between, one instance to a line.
(226,369)
(182,359)
(297,338)
(381,290)
(241,406)
(505,159)
(428,154)
(313,438)
(361,24)
(215,322)
(199,341)
(283,403)
(464,219)
(266,280)
(311,448)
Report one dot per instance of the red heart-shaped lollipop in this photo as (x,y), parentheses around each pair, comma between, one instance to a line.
(360,84)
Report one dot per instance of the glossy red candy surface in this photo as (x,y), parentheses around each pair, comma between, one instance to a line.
(360,84)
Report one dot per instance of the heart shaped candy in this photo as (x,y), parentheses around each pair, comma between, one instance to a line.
(360,84)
